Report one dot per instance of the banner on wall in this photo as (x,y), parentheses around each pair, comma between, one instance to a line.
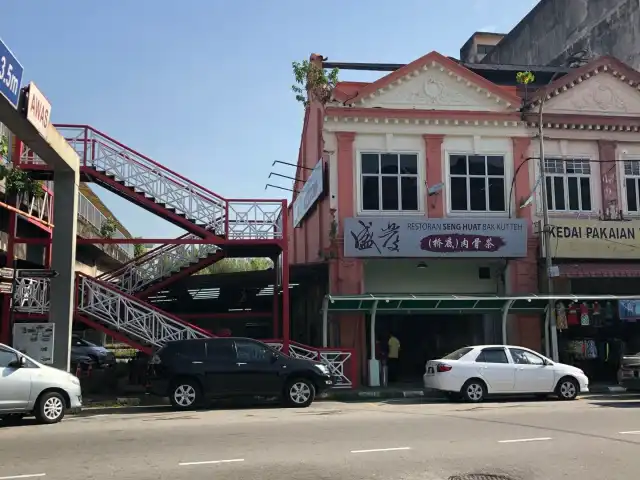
(385,237)
(594,239)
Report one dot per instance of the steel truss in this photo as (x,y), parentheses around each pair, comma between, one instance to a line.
(341,362)
(159,264)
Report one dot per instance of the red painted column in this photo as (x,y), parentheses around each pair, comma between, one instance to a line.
(435,174)
(522,183)
(347,274)
(5,326)
(276,309)
(611,204)
(286,309)
(524,271)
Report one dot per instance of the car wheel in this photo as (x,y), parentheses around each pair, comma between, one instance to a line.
(567,389)
(50,408)
(473,391)
(299,392)
(185,394)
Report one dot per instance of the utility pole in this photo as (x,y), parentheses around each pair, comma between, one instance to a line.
(546,232)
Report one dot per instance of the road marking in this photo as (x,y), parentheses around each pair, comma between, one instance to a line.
(381,450)
(209,462)
(519,440)
(31,475)
(632,432)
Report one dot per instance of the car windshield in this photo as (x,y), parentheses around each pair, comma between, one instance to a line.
(458,354)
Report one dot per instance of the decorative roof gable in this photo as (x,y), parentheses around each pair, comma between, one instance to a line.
(435,82)
(605,87)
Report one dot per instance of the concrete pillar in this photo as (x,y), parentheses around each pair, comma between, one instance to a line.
(63,261)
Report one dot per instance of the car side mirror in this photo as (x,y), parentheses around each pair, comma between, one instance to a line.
(275,357)
(19,363)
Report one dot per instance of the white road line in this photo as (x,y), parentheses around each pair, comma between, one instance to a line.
(381,450)
(519,440)
(632,432)
(31,475)
(209,462)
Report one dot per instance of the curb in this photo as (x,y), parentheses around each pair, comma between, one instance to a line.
(351,395)
(607,389)
(139,405)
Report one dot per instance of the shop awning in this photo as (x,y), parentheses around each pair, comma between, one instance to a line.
(399,303)
(435,303)
(599,270)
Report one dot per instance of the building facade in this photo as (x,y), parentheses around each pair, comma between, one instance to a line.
(427,169)
(556,29)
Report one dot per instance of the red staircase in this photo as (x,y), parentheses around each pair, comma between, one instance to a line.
(113,303)
(228,224)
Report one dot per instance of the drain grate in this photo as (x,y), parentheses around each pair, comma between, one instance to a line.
(480,476)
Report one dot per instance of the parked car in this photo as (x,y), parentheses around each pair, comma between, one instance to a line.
(100,356)
(191,372)
(28,387)
(629,373)
(473,373)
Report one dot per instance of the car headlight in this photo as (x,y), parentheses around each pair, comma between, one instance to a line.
(75,380)
(322,368)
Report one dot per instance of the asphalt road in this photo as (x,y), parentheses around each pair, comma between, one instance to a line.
(586,439)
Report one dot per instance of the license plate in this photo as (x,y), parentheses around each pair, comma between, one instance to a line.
(430,370)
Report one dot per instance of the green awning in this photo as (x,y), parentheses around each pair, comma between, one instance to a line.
(407,303)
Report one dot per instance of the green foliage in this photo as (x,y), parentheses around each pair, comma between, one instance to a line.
(139,249)
(17,181)
(525,78)
(313,82)
(108,228)
(229,265)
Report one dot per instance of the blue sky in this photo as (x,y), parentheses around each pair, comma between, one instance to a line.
(203,86)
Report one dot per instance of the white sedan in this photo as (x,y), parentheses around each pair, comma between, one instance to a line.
(472,373)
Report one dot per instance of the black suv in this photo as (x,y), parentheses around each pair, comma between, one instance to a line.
(190,372)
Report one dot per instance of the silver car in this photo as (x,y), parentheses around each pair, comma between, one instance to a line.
(28,387)
(100,356)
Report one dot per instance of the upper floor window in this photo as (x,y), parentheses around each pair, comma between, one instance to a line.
(632,185)
(389,182)
(568,185)
(477,183)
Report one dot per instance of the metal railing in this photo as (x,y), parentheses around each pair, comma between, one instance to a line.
(93,216)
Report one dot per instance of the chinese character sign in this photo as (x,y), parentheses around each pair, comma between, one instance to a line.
(410,237)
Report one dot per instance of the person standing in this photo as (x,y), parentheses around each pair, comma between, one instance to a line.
(393,357)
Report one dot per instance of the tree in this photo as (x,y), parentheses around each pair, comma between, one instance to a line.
(108,228)
(17,181)
(139,249)
(313,81)
(229,265)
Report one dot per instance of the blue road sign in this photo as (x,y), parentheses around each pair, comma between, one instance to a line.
(10,75)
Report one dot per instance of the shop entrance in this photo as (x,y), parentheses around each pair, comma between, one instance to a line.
(593,334)
(425,337)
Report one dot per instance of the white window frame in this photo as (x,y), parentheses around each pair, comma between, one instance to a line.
(594,184)
(477,213)
(622,188)
(421,184)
